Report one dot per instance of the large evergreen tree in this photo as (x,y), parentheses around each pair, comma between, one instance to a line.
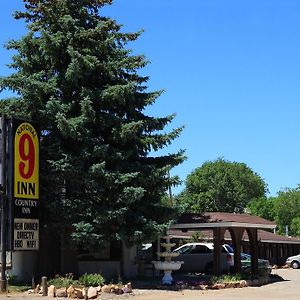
(76,78)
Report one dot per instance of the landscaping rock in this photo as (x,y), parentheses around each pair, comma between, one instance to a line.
(51,291)
(248,282)
(127,288)
(229,285)
(71,292)
(92,293)
(62,292)
(106,289)
(218,286)
(78,293)
(255,282)
(98,288)
(243,283)
(37,289)
(203,287)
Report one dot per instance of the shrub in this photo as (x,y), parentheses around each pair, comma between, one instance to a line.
(91,279)
(60,281)
(12,279)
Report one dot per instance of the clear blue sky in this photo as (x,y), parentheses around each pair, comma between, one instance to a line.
(230,70)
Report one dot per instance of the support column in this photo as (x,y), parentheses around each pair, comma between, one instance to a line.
(237,236)
(218,238)
(252,233)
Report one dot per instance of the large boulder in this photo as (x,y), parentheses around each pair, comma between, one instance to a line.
(92,293)
(62,292)
(51,291)
(106,288)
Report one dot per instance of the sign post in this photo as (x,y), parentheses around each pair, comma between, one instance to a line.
(3,282)
(19,189)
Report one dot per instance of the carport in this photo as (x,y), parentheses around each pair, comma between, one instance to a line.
(236,224)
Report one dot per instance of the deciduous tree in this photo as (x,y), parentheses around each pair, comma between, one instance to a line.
(221,185)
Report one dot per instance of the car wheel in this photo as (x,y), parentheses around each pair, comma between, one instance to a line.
(295,264)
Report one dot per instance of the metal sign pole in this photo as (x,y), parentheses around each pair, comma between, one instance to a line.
(3,282)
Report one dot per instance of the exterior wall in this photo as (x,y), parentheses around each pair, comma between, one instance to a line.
(49,255)
(130,266)
(57,255)
(24,265)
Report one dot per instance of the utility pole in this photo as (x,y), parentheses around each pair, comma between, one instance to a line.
(3,282)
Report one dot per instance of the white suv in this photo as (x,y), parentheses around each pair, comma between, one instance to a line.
(198,257)
(294,261)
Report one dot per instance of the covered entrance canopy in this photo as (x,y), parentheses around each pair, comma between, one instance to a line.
(236,224)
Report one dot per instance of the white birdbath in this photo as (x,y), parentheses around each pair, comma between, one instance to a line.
(167,265)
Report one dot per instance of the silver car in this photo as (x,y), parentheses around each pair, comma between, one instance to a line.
(294,261)
(198,257)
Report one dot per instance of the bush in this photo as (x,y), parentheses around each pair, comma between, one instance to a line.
(12,279)
(91,279)
(60,281)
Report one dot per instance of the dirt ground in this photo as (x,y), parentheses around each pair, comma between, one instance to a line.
(289,289)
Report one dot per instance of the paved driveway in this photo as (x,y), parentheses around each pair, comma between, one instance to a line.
(285,290)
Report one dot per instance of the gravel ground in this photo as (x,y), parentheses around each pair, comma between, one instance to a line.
(288,289)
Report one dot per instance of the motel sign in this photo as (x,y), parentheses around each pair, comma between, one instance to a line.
(25,195)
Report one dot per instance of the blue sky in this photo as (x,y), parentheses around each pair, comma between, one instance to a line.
(230,70)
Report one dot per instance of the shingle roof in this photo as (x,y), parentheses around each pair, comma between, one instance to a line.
(262,235)
(219,217)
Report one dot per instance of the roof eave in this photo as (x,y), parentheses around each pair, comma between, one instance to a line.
(221,224)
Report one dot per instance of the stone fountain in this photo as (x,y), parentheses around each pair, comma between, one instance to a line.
(167,265)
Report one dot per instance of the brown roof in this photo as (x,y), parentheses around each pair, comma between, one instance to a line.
(219,217)
(262,235)
(224,220)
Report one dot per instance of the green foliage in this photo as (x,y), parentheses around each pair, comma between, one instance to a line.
(284,210)
(295,226)
(18,288)
(287,207)
(226,278)
(62,281)
(196,237)
(263,207)
(13,280)
(91,279)
(77,79)
(221,185)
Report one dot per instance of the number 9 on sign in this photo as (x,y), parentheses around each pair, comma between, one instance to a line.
(26,162)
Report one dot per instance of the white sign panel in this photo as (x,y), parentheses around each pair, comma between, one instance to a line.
(8,259)
(26,234)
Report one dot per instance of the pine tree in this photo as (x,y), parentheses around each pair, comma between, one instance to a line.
(76,78)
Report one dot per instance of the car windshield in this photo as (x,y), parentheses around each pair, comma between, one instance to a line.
(245,256)
(183,250)
(228,248)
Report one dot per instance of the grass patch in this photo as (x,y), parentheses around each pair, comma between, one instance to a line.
(18,288)
(228,278)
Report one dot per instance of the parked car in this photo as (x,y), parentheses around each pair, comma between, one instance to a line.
(262,263)
(198,257)
(293,261)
